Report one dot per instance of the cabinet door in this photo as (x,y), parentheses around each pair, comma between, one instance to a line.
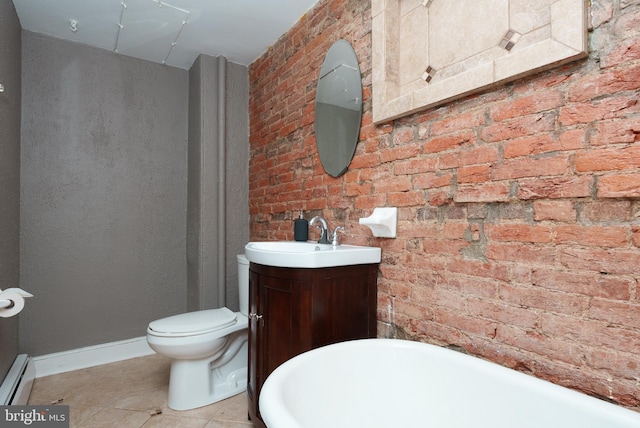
(280,328)
(344,305)
(286,329)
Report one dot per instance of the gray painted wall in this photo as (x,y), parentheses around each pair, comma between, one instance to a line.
(237,176)
(218,99)
(9,174)
(203,184)
(103,188)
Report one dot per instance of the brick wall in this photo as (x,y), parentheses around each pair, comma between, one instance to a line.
(519,208)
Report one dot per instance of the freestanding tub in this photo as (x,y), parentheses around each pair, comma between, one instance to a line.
(380,383)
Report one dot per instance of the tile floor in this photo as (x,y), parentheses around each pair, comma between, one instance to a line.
(126,394)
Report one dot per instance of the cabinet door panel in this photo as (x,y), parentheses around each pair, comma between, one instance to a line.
(342,307)
(277,307)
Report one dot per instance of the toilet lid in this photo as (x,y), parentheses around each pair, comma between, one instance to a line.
(193,323)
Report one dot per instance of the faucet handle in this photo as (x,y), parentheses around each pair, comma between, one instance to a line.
(334,236)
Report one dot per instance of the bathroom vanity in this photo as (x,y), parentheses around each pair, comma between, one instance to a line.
(293,310)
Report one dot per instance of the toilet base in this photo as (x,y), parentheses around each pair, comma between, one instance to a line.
(197,383)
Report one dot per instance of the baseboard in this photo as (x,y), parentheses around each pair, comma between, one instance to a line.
(16,387)
(91,356)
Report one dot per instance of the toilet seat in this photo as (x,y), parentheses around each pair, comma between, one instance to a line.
(192,323)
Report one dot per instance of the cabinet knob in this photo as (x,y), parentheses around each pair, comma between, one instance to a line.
(256,316)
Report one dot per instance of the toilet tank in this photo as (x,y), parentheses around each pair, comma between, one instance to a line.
(243,283)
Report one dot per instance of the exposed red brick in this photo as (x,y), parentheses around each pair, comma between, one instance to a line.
(430,181)
(448,141)
(396,153)
(448,160)
(526,146)
(518,233)
(473,325)
(396,184)
(609,82)
(561,187)
(453,124)
(584,283)
(613,159)
(619,365)
(479,155)
(628,23)
(517,206)
(403,135)
(607,211)
(554,210)
(627,50)
(596,236)
(357,189)
(403,199)
(439,197)
(467,287)
(365,161)
(531,167)
(605,261)
(518,253)
(608,108)
(370,202)
(619,186)
(622,313)
(530,104)
(533,342)
(624,130)
(474,174)
(600,12)
(518,127)
(415,166)
(484,192)
(635,238)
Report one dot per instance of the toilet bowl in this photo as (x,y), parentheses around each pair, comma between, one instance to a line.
(208,350)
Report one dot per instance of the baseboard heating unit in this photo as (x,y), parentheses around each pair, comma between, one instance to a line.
(16,387)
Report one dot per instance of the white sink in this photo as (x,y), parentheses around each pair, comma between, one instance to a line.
(293,254)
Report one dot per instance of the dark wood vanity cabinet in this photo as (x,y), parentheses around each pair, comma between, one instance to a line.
(294,310)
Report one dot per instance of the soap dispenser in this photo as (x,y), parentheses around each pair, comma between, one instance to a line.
(301,229)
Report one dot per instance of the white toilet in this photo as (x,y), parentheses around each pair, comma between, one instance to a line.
(208,350)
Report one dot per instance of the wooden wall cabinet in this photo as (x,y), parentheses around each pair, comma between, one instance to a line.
(294,310)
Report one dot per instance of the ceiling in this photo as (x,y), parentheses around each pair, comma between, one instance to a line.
(174,32)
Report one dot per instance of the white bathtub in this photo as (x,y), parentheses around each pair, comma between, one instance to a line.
(380,383)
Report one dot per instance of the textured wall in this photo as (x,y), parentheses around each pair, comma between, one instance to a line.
(9,174)
(237,176)
(518,236)
(103,187)
(203,184)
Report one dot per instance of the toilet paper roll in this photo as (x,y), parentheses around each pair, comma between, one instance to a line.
(17,304)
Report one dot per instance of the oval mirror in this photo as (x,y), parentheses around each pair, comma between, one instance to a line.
(338,108)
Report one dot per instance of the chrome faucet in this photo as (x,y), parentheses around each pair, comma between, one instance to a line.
(323,226)
(334,236)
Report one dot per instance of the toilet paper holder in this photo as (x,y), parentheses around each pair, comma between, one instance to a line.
(8,303)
